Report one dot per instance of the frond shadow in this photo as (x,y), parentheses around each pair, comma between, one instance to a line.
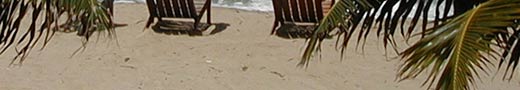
(74,27)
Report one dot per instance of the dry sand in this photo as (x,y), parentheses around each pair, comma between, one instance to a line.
(242,57)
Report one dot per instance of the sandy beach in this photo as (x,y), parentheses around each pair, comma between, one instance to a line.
(242,55)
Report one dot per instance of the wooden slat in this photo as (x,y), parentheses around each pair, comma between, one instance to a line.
(311,10)
(192,10)
(286,11)
(319,10)
(303,10)
(160,8)
(168,7)
(295,10)
(176,8)
(184,9)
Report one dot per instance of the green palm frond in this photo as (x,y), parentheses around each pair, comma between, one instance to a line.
(337,16)
(454,46)
(458,49)
(387,15)
(89,16)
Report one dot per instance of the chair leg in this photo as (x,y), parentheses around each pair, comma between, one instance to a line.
(209,15)
(149,22)
(275,24)
(195,25)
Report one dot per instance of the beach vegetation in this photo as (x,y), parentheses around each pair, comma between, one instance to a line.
(46,17)
(465,39)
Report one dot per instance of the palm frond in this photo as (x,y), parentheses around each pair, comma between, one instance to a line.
(511,54)
(338,16)
(455,44)
(89,15)
(458,49)
(387,16)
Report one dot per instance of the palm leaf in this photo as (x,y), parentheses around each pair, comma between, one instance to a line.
(511,54)
(457,50)
(338,16)
(89,15)
(455,46)
(388,15)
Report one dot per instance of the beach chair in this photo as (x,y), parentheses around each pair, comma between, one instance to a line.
(299,11)
(187,9)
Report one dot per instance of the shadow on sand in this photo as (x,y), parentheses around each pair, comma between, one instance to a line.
(170,27)
(70,28)
(293,31)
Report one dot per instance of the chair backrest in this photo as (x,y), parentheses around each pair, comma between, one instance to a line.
(172,8)
(298,10)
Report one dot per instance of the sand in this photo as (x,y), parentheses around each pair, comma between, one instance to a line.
(244,56)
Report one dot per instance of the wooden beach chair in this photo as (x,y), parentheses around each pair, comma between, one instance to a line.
(187,9)
(300,11)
